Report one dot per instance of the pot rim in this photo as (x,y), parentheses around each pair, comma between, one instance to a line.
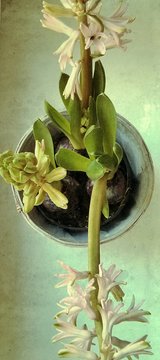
(114,230)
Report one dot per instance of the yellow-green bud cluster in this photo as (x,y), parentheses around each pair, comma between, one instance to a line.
(32,173)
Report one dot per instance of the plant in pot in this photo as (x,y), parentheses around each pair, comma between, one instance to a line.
(82,163)
(89,140)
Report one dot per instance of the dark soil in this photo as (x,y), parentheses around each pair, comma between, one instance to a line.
(77,187)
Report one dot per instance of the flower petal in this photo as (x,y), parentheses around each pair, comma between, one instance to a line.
(72,351)
(135,348)
(54,24)
(73,81)
(56,174)
(56,196)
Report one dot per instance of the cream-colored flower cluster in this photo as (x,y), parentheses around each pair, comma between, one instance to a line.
(97,32)
(79,299)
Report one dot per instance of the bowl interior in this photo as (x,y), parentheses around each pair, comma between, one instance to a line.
(142,170)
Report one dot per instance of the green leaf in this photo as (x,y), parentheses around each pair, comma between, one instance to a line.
(93,141)
(108,162)
(59,121)
(62,84)
(99,80)
(75,120)
(108,122)
(118,151)
(92,111)
(105,210)
(71,160)
(41,132)
(95,170)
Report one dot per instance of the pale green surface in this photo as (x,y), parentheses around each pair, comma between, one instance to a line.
(29,74)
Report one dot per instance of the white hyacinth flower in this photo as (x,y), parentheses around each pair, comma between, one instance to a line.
(94,37)
(116,25)
(133,349)
(133,313)
(107,281)
(110,315)
(67,330)
(117,22)
(66,49)
(71,276)
(54,24)
(71,350)
(73,84)
(98,40)
(79,299)
(105,33)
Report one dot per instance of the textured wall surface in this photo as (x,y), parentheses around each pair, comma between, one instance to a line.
(29,74)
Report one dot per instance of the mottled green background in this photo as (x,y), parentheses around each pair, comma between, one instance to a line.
(29,73)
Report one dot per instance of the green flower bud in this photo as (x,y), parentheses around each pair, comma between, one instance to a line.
(5,155)
(6,175)
(31,173)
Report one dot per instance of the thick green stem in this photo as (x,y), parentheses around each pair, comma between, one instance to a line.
(86,70)
(96,204)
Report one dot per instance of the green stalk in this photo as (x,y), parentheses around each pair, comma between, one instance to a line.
(96,205)
(86,70)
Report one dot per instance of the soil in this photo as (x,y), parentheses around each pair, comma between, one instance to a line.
(77,187)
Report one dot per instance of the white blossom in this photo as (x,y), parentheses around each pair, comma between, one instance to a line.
(111,316)
(54,24)
(94,37)
(99,40)
(71,276)
(79,299)
(67,329)
(71,350)
(117,22)
(66,49)
(134,348)
(73,84)
(107,281)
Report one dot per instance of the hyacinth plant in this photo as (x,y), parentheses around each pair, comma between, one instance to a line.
(90,124)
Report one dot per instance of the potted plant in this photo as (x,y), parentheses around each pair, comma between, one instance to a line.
(91,149)
(87,142)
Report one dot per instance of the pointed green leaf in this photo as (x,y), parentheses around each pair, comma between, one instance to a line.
(105,210)
(41,132)
(62,84)
(108,122)
(59,121)
(75,120)
(99,80)
(95,170)
(108,162)
(118,151)
(71,160)
(92,111)
(93,141)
